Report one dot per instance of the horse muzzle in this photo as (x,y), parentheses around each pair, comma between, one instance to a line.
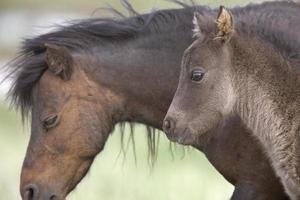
(34,192)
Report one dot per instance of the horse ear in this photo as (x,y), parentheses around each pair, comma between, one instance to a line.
(225,27)
(59,61)
(197,21)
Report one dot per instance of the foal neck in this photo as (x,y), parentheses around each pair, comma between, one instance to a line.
(268,101)
(267,87)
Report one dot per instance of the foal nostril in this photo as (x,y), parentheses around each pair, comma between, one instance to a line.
(31,192)
(168,125)
(53,197)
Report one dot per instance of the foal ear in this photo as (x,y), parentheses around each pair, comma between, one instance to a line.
(225,27)
(59,61)
(197,21)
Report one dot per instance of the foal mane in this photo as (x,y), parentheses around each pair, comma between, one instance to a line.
(279,35)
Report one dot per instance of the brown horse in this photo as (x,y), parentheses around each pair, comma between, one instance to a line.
(228,72)
(82,79)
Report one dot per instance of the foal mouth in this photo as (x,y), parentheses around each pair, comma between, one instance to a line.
(184,137)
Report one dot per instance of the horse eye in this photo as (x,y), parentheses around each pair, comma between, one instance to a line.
(50,122)
(197,75)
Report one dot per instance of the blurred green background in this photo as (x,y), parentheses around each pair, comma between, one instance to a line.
(185,174)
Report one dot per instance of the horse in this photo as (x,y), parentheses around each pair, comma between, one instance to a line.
(77,82)
(228,71)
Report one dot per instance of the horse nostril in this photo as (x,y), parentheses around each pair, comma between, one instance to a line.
(31,192)
(28,195)
(53,197)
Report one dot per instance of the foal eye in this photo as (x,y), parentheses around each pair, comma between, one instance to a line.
(50,122)
(197,75)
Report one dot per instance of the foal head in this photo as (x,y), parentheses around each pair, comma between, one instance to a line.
(204,94)
(69,127)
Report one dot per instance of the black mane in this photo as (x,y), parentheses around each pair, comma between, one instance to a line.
(82,35)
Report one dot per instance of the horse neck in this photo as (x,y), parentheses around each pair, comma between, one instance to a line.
(144,73)
(268,92)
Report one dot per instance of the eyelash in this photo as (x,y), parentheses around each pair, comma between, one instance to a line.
(50,122)
(197,75)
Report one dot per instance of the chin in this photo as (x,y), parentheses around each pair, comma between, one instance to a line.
(184,137)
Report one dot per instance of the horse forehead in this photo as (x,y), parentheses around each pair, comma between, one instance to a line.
(50,83)
(51,88)
(48,80)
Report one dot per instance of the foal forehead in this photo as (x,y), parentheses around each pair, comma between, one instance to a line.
(200,53)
